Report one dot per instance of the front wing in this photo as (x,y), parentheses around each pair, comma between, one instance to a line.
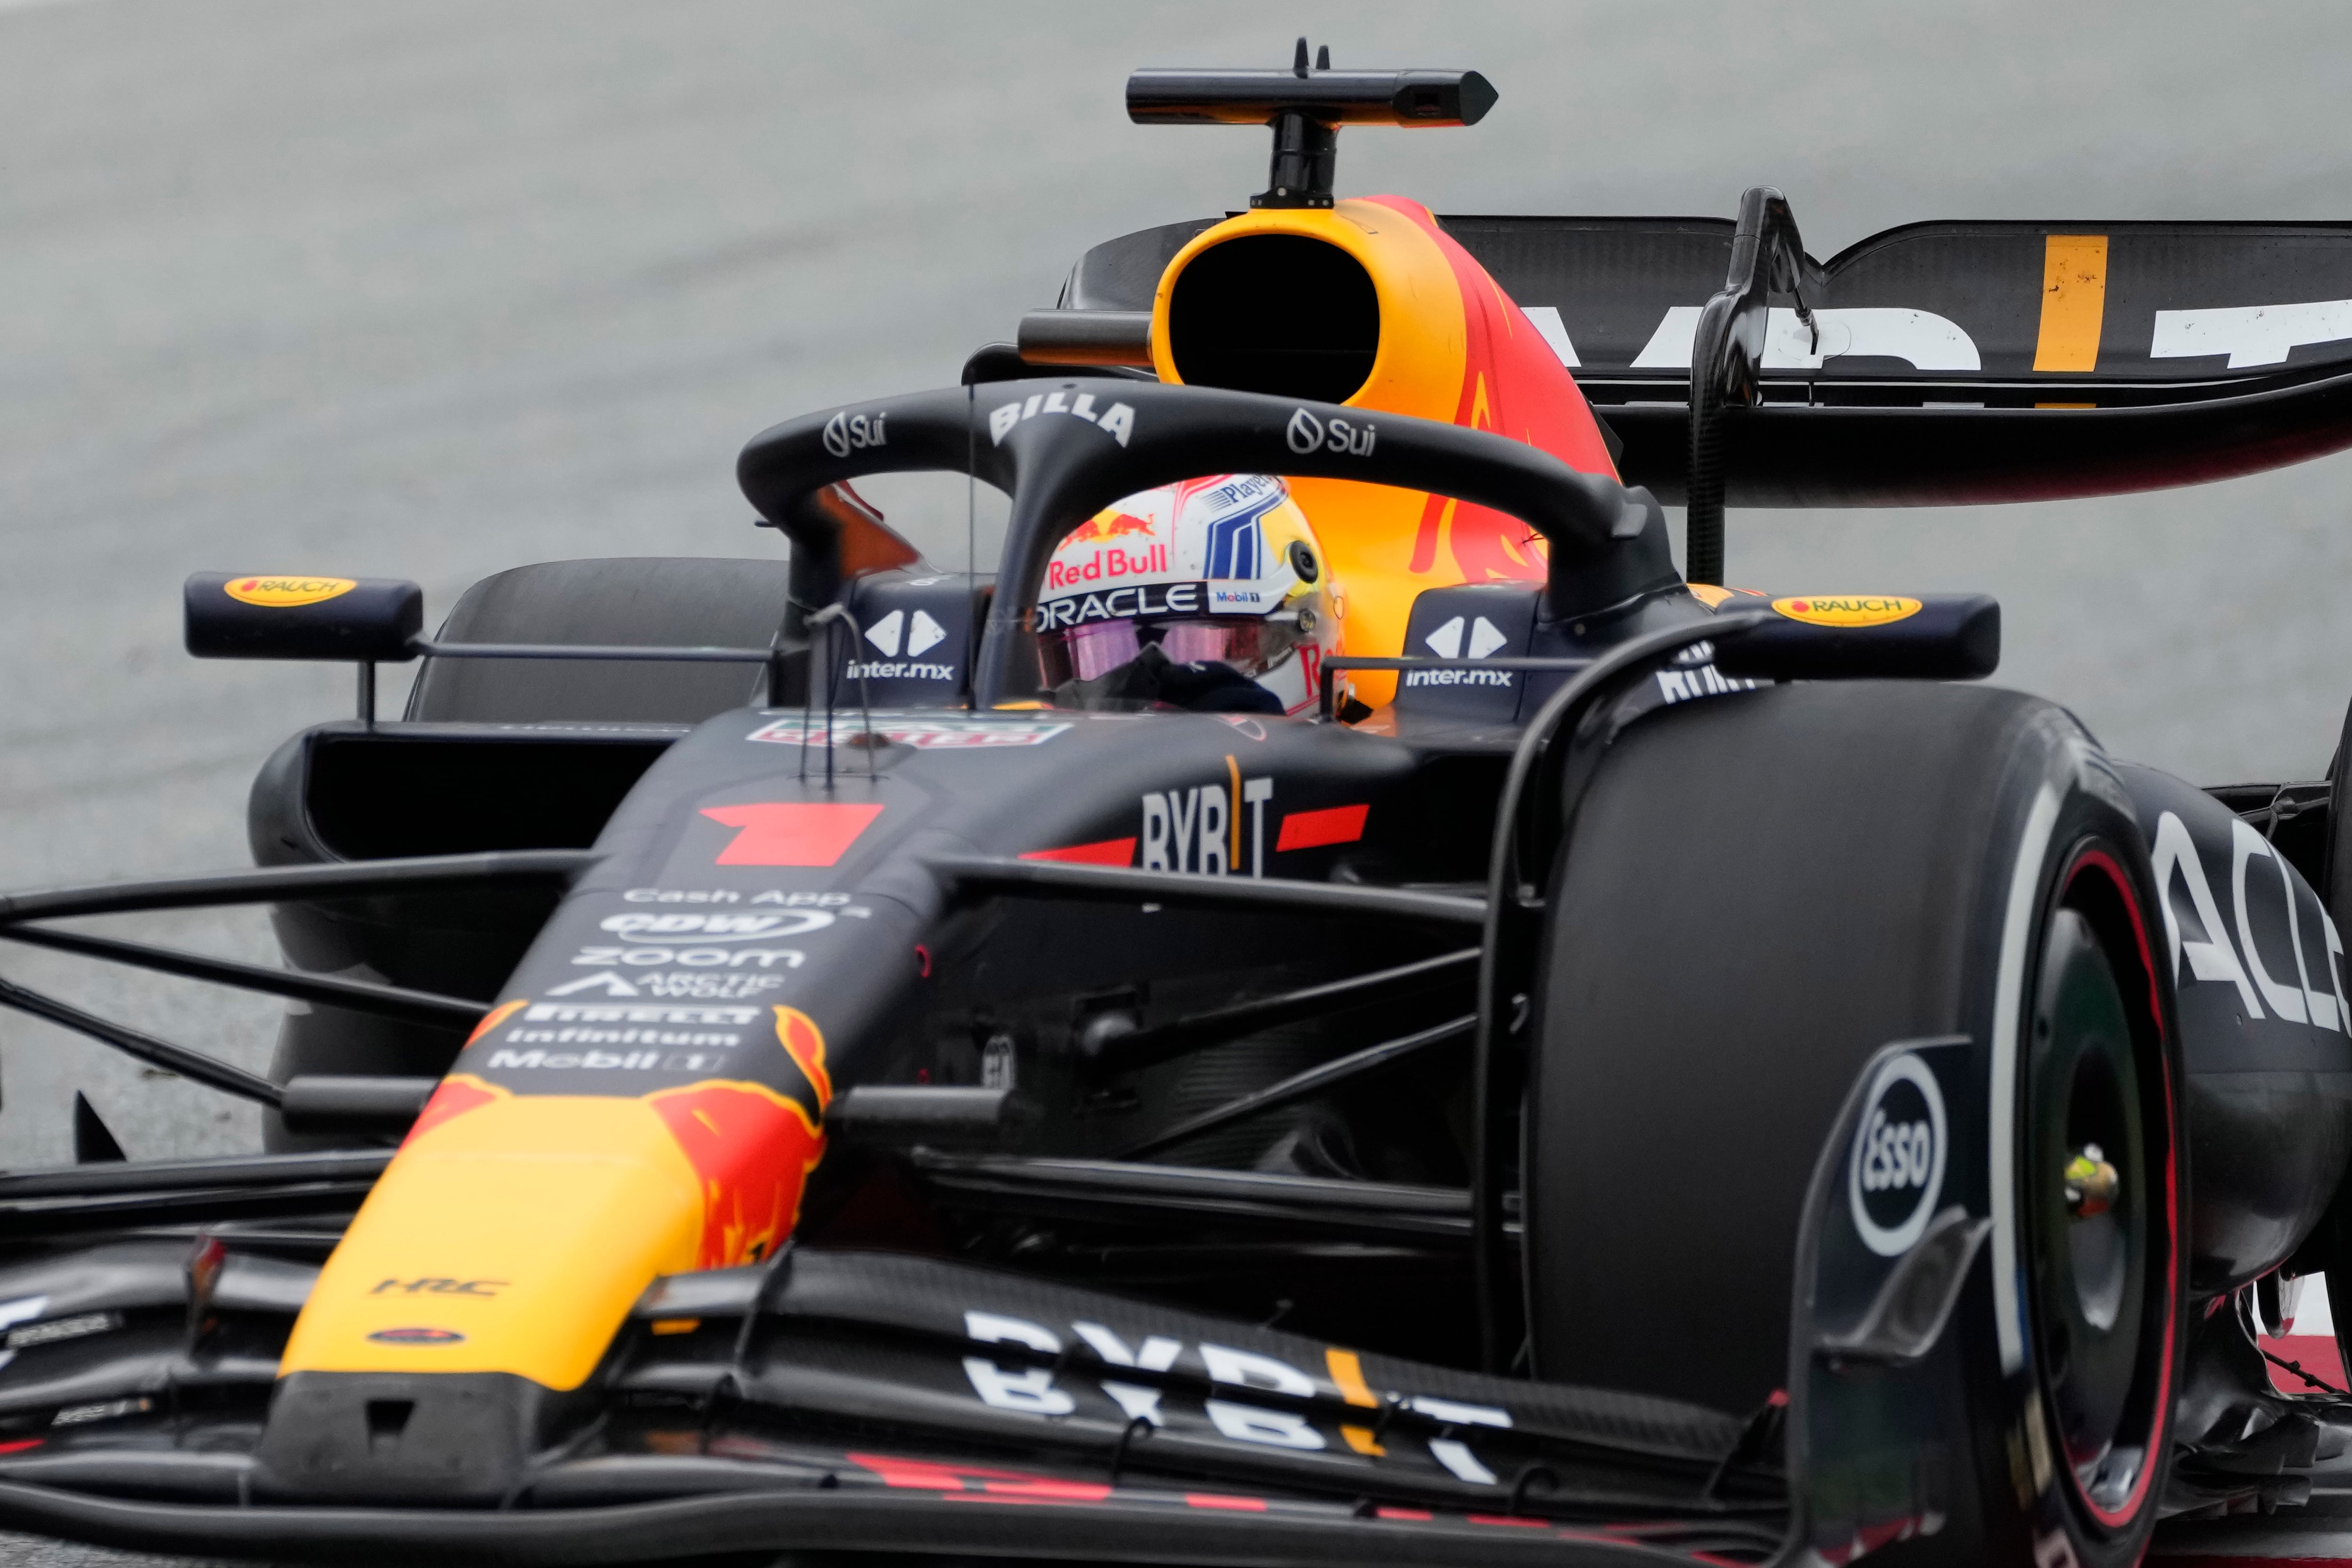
(827,1398)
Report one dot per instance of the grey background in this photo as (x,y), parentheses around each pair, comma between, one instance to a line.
(436,289)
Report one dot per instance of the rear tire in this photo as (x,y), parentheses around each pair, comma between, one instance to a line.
(2334,1248)
(1761,891)
(653,602)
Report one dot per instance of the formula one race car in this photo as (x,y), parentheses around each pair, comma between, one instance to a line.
(1335,1008)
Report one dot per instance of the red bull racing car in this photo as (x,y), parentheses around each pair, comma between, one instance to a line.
(1336,1007)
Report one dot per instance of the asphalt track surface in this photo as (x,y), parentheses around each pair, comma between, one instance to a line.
(437,289)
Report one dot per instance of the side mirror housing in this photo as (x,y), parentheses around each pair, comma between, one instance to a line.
(257,616)
(1935,636)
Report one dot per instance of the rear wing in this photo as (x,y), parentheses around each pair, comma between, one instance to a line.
(1948,362)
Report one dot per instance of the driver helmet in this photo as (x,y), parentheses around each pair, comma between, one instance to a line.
(1211,594)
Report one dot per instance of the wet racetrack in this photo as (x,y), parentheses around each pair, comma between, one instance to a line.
(433,289)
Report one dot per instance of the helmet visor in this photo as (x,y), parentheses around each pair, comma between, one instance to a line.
(1251,644)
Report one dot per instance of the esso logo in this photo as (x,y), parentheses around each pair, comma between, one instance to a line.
(1896,1154)
(1896,1170)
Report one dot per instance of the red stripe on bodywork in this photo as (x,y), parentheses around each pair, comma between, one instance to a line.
(1314,829)
(1049,1491)
(915,1473)
(932,1475)
(1218,1499)
(791,832)
(1102,852)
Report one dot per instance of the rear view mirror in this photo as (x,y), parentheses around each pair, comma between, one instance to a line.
(249,615)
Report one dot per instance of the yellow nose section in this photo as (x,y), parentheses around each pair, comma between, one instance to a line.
(513,1232)
(513,1238)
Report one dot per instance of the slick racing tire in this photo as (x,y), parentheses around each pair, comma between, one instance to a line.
(2332,1246)
(651,601)
(1758,894)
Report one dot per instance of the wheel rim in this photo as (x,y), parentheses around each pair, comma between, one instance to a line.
(2099,1196)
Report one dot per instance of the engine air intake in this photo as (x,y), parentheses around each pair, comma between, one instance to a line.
(1276,313)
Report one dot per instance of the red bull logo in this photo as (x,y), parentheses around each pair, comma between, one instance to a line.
(1106,564)
(518,1227)
(754,1147)
(1073,564)
(1114,525)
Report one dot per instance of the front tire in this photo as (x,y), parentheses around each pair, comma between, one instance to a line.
(1756,894)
